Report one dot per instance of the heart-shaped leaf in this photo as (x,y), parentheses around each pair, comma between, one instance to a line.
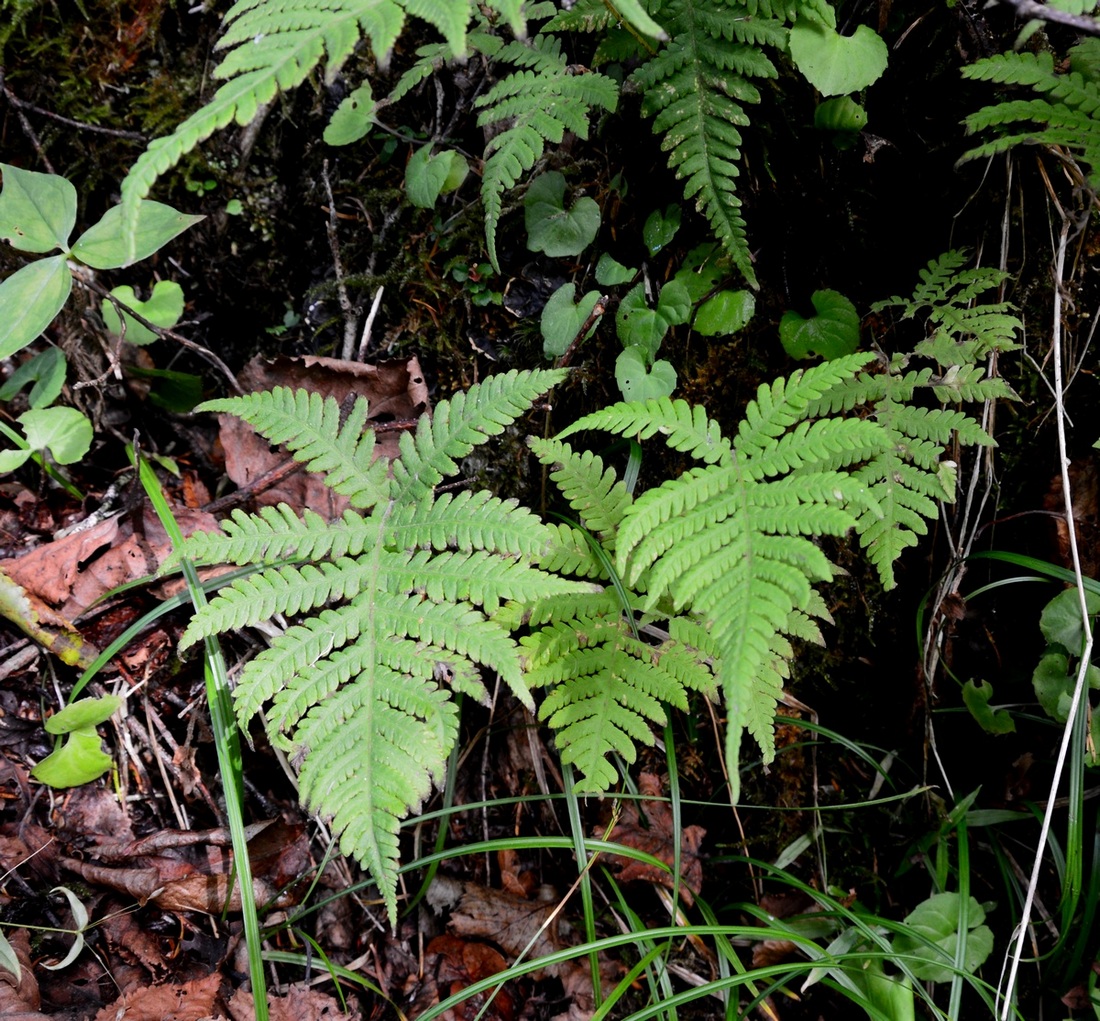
(37,211)
(102,246)
(833,332)
(429,175)
(702,270)
(660,228)
(29,300)
(835,64)
(80,759)
(1060,620)
(611,273)
(553,229)
(937,919)
(727,312)
(638,324)
(164,308)
(352,119)
(562,319)
(46,370)
(65,432)
(638,384)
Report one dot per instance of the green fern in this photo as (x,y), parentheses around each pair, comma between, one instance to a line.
(538,103)
(273,45)
(1066,115)
(393,603)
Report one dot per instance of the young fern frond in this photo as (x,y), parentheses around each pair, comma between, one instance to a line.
(539,103)
(595,493)
(392,603)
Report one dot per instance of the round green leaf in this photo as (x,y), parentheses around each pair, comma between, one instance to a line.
(1054,685)
(29,300)
(64,431)
(835,64)
(102,246)
(1060,620)
(638,384)
(37,211)
(81,759)
(832,333)
(553,229)
(702,271)
(727,312)
(562,319)
(164,308)
(841,113)
(353,118)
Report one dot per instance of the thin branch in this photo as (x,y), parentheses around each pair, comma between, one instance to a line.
(1029,10)
(22,104)
(350,319)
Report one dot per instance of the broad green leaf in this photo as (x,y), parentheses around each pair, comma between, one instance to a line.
(638,384)
(102,246)
(937,919)
(12,459)
(835,64)
(611,273)
(353,118)
(727,312)
(65,432)
(164,308)
(832,333)
(80,759)
(702,271)
(660,228)
(562,319)
(553,229)
(638,324)
(173,390)
(84,712)
(428,175)
(46,370)
(992,721)
(37,211)
(30,299)
(634,13)
(1060,620)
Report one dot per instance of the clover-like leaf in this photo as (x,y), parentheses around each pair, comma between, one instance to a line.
(553,229)
(638,383)
(831,333)
(37,211)
(937,919)
(30,299)
(353,118)
(80,758)
(102,245)
(638,324)
(164,308)
(562,319)
(835,64)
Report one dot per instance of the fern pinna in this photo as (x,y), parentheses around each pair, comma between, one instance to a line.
(392,603)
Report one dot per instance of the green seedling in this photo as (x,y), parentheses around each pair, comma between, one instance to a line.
(46,370)
(164,308)
(832,333)
(562,319)
(353,118)
(65,432)
(80,758)
(429,175)
(553,229)
(638,324)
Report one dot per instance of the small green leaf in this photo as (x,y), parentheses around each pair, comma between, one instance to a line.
(30,299)
(553,229)
(46,370)
(1054,685)
(84,712)
(832,333)
(353,118)
(635,14)
(660,228)
(937,919)
(562,319)
(727,312)
(102,246)
(610,273)
(164,308)
(636,383)
(638,324)
(835,64)
(840,114)
(65,432)
(992,721)
(37,211)
(173,390)
(1060,620)
(427,176)
(702,271)
(79,760)
(234,208)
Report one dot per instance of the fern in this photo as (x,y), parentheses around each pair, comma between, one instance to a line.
(1066,115)
(538,103)
(393,600)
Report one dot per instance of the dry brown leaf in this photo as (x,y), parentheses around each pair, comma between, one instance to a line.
(510,922)
(19,997)
(175,1001)
(49,571)
(300,1004)
(655,837)
(395,390)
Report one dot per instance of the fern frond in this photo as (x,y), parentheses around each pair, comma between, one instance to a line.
(570,553)
(595,493)
(539,103)
(311,429)
(468,521)
(462,423)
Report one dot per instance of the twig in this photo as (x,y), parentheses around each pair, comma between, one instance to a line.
(22,104)
(364,341)
(597,311)
(25,125)
(350,323)
(1031,10)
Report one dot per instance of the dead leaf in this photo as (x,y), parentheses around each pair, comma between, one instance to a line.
(511,922)
(395,390)
(647,826)
(175,1001)
(300,1004)
(452,965)
(19,997)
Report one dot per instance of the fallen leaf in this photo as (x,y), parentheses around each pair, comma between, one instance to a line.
(19,997)
(174,1001)
(300,1004)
